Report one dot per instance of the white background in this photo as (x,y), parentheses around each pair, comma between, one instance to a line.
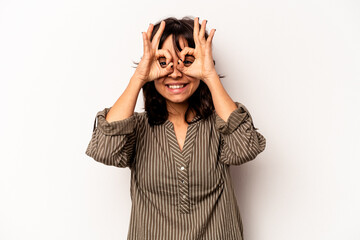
(294,64)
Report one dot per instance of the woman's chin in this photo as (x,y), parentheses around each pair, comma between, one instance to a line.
(177,100)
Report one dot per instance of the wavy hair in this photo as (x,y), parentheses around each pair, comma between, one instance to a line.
(201,100)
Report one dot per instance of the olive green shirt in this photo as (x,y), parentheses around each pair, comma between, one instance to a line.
(179,194)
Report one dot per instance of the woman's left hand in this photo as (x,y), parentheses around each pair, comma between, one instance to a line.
(203,65)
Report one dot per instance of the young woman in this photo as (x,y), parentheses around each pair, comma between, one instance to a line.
(180,148)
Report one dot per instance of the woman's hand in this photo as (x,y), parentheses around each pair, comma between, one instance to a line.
(203,66)
(149,67)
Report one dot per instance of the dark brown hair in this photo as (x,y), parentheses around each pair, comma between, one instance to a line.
(201,100)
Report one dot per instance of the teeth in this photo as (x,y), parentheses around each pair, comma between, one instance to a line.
(176,86)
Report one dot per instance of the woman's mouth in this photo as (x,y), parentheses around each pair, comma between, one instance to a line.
(176,88)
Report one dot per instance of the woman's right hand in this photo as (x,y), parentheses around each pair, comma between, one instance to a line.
(149,67)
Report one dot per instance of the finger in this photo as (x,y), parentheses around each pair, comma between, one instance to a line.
(164,53)
(186,51)
(166,71)
(169,68)
(196,31)
(145,43)
(149,31)
(182,68)
(180,65)
(202,30)
(156,39)
(209,40)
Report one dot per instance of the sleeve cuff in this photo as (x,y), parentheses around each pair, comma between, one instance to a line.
(125,126)
(235,119)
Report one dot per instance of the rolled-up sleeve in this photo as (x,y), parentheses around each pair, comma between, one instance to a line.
(113,143)
(240,140)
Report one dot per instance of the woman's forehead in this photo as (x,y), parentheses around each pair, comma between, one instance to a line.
(169,44)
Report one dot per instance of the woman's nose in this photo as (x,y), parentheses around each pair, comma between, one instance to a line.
(176,73)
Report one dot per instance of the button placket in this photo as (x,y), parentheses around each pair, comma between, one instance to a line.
(183,186)
(181,162)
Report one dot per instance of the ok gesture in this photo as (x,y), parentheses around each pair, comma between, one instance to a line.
(203,66)
(149,68)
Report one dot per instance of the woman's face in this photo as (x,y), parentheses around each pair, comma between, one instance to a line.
(176,87)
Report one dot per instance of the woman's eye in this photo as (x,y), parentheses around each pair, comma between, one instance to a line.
(162,62)
(188,60)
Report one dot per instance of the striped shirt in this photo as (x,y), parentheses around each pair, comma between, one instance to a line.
(179,194)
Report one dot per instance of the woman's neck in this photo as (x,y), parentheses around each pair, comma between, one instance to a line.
(177,112)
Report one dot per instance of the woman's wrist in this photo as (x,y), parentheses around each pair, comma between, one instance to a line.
(211,79)
(137,81)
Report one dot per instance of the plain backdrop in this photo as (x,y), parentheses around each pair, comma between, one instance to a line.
(294,64)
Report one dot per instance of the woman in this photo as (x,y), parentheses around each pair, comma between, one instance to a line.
(179,150)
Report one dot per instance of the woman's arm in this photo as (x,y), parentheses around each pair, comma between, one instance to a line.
(223,104)
(114,143)
(240,140)
(113,140)
(125,105)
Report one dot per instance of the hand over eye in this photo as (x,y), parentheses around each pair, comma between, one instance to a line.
(202,63)
(150,66)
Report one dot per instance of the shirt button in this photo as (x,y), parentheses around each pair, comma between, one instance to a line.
(182,168)
(184,196)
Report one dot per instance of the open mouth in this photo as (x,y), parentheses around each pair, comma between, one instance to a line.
(178,86)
